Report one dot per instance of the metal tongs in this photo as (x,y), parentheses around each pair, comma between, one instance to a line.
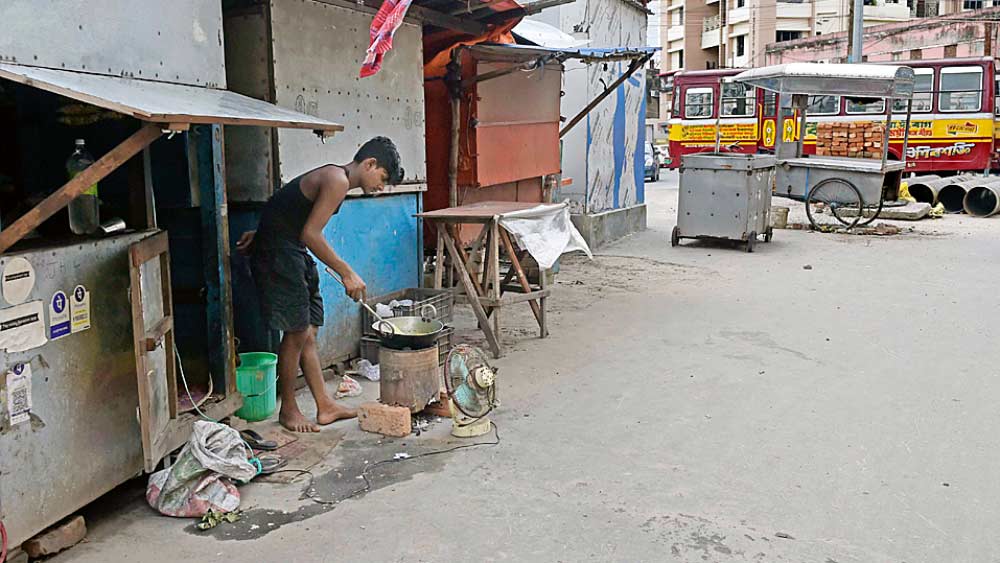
(382,323)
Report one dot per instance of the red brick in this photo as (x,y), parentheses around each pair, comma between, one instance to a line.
(440,408)
(385,420)
(62,536)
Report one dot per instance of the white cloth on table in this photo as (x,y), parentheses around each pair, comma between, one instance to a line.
(545,231)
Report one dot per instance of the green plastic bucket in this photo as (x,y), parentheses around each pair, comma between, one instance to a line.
(255,379)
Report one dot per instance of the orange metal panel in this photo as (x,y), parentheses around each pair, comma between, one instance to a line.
(508,153)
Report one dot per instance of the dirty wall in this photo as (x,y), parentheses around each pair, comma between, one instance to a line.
(603,155)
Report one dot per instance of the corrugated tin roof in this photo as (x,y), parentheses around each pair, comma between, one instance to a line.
(861,80)
(163,102)
(517,53)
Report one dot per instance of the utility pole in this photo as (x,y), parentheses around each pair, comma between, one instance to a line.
(855,30)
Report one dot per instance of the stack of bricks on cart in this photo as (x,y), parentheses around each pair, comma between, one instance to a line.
(858,140)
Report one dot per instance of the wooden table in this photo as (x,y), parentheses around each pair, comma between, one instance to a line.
(487,292)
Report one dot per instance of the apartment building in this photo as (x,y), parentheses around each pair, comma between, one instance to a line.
(934,37)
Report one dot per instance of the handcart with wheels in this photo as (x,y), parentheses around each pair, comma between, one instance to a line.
(842,190)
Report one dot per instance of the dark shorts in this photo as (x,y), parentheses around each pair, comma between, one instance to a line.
(288,288)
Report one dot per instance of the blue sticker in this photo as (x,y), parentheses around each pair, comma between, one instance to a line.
(59,322)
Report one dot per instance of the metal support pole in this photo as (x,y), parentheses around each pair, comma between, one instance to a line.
(857,30)
(906,132)
(885,134)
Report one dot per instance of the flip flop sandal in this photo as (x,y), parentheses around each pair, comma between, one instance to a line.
(258,442)
(269,465)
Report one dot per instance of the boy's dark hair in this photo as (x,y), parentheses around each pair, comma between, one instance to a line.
(383,150)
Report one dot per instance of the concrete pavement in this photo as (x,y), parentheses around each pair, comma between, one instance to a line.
(692,404)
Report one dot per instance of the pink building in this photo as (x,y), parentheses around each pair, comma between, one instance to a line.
(957,35)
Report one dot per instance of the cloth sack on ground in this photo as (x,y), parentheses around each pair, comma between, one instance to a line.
(201,479)
(546,232)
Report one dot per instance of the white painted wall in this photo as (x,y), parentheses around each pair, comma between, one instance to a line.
(598,184)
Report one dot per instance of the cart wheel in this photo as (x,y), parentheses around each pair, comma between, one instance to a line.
(769,234)
(838,196)
(675,237)
(878,211)
(751,241)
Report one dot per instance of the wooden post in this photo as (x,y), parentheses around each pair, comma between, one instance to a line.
(494,273)
(454,76)
(522,277)
(470,291)
(209,155)
(70,190)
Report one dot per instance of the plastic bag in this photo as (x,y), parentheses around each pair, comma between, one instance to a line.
(201,479)
(904,193)
(349,388)
(368,371)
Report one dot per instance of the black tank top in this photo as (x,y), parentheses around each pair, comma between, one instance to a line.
(285,215)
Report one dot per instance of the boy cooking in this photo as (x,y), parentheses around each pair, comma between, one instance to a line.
(291,226)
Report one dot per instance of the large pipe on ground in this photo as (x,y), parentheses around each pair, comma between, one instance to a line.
(952,195)
(925,188)
(984,200)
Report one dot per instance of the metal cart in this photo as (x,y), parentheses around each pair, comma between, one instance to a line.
(852,190)
(724,196)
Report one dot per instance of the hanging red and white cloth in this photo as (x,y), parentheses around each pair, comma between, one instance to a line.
(387,21)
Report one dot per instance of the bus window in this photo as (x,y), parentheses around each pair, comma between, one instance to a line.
(996,95)
(823,105)
(923,96)
(866,106)
(738,100)
(698,103)
(769,102)
(961,88)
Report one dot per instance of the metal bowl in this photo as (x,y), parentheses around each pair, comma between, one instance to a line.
(402,333)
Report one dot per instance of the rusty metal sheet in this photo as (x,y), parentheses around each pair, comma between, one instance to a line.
(83,438)
(178,41)
(162,102)
(318,49)
(517,124)
(249,150)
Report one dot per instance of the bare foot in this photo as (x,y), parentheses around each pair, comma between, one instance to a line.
(294,420)
(332,412)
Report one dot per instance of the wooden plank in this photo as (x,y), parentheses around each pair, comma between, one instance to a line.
(142,376)
(511,271)
(494,273)
(70,190)
(155,336)
(521,277)
(470,290)
(544,331)
(474,255)
(149,248)
(483,211)
(452,234)
(168,338)
(514,298)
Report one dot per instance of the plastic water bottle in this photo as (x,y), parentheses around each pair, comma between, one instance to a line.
(84,218)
